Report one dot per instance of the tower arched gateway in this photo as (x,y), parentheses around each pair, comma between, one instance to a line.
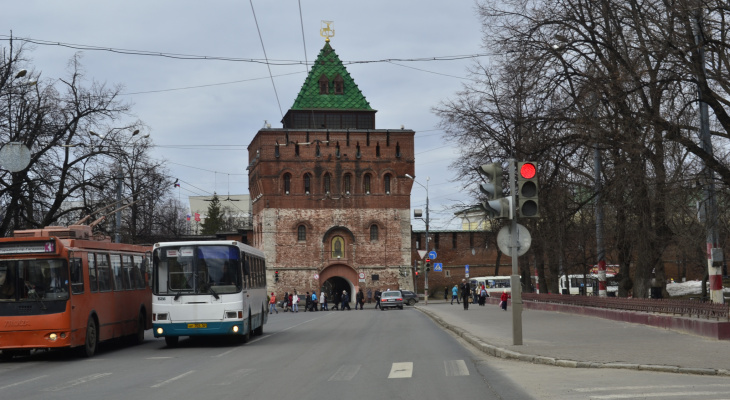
(336,278)
(330,196)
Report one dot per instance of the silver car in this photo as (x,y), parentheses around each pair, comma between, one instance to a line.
(391,299)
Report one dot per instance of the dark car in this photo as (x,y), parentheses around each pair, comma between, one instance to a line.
(409,297)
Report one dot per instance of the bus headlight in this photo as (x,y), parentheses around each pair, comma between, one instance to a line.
(159,331)
(235,328)
(52,337)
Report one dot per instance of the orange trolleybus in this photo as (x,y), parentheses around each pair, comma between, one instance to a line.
(61,288)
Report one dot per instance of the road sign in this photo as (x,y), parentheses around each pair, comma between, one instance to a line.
(362,275)
(466,267)
(438,267)
(504,240)
(316,276)
(432,254)
(421,253)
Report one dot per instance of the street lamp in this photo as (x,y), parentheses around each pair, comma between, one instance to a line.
(425,270)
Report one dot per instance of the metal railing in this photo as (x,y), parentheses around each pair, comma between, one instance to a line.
(690,308)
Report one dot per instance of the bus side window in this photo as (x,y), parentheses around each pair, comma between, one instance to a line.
(104,272)
(77,276)
(137,273)
(93,281)
(116,262)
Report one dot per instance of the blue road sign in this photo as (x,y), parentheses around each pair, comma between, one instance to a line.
(438,267)
(432,254)
(467,268)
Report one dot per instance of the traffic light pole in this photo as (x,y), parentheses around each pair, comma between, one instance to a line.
(425,270)
(515,278)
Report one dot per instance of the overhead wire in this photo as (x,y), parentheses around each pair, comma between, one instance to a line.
(267,58)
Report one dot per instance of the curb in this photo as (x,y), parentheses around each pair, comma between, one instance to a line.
(499,352)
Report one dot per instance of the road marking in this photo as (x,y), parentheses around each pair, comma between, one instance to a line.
(345,373)
(23,382)
(75,382)
(158,358)
(644,387)
(456,368)
(401,370)
(172,379)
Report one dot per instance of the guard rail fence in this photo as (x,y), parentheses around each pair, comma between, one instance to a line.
(689,308)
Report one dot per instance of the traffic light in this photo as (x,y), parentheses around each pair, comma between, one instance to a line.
(527,189)
(276,276)
(496,206)
(428,267)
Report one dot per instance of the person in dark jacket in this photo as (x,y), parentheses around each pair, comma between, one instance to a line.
(465,293)
(345,301)
(377,298)
(360,299)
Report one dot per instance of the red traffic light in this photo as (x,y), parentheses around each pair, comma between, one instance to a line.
(416,273)
(428,260)
(528,170)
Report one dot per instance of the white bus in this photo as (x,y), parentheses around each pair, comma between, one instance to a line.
(586,284)
(208,288)
(494,285)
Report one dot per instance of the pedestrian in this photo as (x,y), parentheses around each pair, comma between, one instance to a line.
(482,296)
(295,302)
(360,299)
(314,301)
(323,301)
(377,298)
(336,301)
(370,295)
(345,301)
(446,293)
(503,300)
(465,289)
(307,302)
(285,302)
(289,303)
(455,294)
(272,303)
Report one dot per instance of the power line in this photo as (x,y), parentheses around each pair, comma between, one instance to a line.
(267,58)
(266,61)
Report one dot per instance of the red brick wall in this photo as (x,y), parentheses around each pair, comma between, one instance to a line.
(278,215)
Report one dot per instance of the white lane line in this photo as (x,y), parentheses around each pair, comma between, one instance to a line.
(22,382)
(401,370)
(158,358)
(345,373)
(172,379)
(456,368)
(75,382)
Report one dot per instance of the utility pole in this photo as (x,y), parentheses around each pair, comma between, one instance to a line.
(515,277)
(709,209)
(118,225)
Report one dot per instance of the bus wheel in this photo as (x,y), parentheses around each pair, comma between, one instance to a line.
(171,341)
(92,338)
(139,337)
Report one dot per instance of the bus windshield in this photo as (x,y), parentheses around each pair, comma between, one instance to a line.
(45,279)
(197,270)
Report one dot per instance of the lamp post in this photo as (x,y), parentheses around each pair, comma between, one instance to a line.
(425,270)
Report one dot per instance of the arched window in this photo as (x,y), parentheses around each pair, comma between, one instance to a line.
(366,184)
(287,183)
(302,233)
(327,180)
(339,85)
(373,233)
(307,183)
(386,183)
(346,183)
(338,247)
(324,85)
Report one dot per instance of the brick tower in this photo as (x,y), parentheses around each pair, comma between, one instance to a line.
(331,203)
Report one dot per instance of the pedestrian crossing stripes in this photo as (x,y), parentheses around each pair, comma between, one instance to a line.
(401,370)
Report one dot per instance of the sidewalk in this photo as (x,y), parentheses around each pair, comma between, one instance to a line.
(577,341)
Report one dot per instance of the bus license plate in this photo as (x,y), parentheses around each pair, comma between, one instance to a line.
(193,326)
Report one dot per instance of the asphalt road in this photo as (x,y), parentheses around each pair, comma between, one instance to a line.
(370,354)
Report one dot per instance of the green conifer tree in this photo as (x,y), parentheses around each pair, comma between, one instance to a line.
(214,219)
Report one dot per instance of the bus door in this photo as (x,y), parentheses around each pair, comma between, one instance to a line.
(79,299)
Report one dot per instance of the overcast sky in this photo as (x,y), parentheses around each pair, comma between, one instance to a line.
(202,114)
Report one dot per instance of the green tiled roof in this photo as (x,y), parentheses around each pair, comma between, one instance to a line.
(329,64)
